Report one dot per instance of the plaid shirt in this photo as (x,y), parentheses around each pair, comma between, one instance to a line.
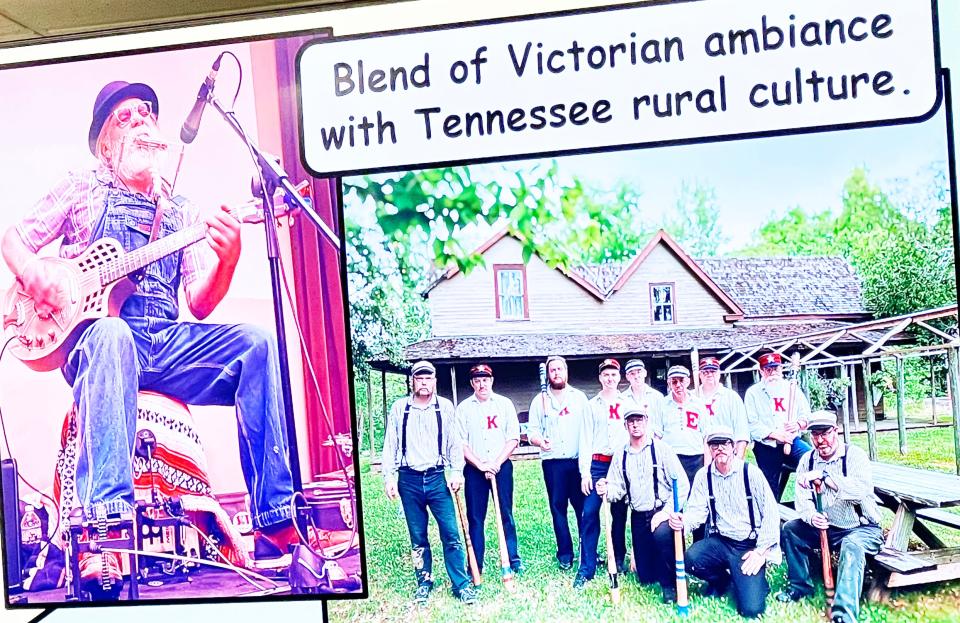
(72,209)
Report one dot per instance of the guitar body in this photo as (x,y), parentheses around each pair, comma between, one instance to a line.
(44,343)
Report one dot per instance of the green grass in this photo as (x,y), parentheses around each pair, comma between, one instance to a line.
(546,594)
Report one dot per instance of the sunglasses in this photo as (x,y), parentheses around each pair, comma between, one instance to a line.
(124,115)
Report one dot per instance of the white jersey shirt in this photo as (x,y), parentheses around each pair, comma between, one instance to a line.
(604,431)
(767,404)
(682,427)
(486,426)
(561,423)
(725,408)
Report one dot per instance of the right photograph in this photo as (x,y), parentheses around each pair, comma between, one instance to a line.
(714,381)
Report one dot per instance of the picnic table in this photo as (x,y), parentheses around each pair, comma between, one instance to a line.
(915,496)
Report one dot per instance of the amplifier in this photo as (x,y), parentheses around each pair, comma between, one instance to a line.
(11,523)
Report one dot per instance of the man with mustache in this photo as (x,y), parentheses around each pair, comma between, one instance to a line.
(732,498)
(767,403)
(422,465)
(556,418)
(850,516)
(682,421)
(490,431)
(146,348)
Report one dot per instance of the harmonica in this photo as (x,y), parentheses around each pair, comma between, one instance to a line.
(149,143)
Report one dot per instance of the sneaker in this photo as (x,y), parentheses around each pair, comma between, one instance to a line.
(580,581)
(837,618)
(100,573)
(669,595)
(790,594)
(422,593)
(467,595)
(518,568)
(565,566)
(709,590)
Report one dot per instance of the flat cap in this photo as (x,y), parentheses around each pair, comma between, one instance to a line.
(422,368)
(720,433)
(676,371)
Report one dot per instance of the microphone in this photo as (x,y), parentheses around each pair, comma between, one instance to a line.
(192,124)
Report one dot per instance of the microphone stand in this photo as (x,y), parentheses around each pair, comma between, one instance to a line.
(273,177)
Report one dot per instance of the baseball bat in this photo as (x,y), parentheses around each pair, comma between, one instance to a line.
(611,558)
(828,584)
(543,398)
(506,572)
(471,557)
(792,396)
(683,608)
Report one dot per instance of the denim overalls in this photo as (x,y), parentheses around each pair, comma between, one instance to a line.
(198,364)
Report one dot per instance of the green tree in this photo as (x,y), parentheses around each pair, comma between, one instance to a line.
(695,221)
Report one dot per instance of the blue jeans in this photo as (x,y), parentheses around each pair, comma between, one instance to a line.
(717,560)
(590,525)
(562,479)
(799,539)
(477,494)
(199,364)
(771,462)
(418,491)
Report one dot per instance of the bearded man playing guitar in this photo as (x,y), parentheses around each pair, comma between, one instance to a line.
(146,348)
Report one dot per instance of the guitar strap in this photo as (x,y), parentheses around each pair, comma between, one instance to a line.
(157,219)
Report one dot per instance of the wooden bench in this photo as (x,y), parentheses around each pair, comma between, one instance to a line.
(942,517)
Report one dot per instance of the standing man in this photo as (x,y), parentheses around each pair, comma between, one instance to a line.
(147,348)
(639,393)
(732,497)
(642,472)
(603,433)
(490,431)
(556,418)
(421,440)
(850,517)
(724,406)
(682,421)
(767,403)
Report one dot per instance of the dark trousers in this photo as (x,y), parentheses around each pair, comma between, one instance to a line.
(717,560)
(418,491)
(692,463)
(653,551)
(477,493)
(562,477)
(590,525)
(771,462)
(800,539)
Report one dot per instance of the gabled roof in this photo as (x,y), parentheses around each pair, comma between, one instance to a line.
(789,286)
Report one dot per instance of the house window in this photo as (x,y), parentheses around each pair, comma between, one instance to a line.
(662,303)
(510,285)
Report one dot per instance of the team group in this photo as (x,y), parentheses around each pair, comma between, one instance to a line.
(639,450)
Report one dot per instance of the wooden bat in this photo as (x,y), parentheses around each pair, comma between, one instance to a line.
(828,584)
(543,399)
(792,396)
(612,570)
(506,572)
(683,608)
(471,557)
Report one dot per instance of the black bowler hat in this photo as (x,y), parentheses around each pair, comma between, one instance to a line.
(112,94)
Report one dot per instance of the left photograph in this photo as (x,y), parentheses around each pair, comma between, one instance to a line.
(174,387)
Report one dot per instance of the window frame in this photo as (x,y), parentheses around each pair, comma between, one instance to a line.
(673,303)
(497,268)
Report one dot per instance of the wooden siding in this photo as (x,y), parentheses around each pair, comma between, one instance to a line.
(465,304)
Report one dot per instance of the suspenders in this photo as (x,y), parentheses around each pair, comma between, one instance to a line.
(843,466)
(713,506)
(403,434)
(657,502)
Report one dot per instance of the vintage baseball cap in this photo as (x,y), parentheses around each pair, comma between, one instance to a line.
(481,369)
(770,360)
(611,364)
(720,434)
(423,368)
(634,412)
(109,96)
(553,358)
(634,364)
(709,363)
(676,371)
(822,420)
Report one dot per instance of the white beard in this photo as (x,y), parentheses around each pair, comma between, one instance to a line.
(133,159)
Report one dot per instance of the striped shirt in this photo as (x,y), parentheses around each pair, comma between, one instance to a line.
(72,209)
(733,516)
(485,426)
(640,476)
(854,488)
(561,423)
(647,401)
(604,431)
(725,408)
(422,438)
(766,405)
(682,426)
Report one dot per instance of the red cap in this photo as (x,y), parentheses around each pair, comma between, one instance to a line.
(609,363)
(481,369)
(709,363)
(770,360)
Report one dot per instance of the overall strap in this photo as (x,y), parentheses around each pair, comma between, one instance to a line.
(626,478)
(746,486)
(403,434)
(436,406)
(713,504)
(656,480)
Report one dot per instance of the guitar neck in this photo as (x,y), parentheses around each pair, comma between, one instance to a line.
(148,254)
